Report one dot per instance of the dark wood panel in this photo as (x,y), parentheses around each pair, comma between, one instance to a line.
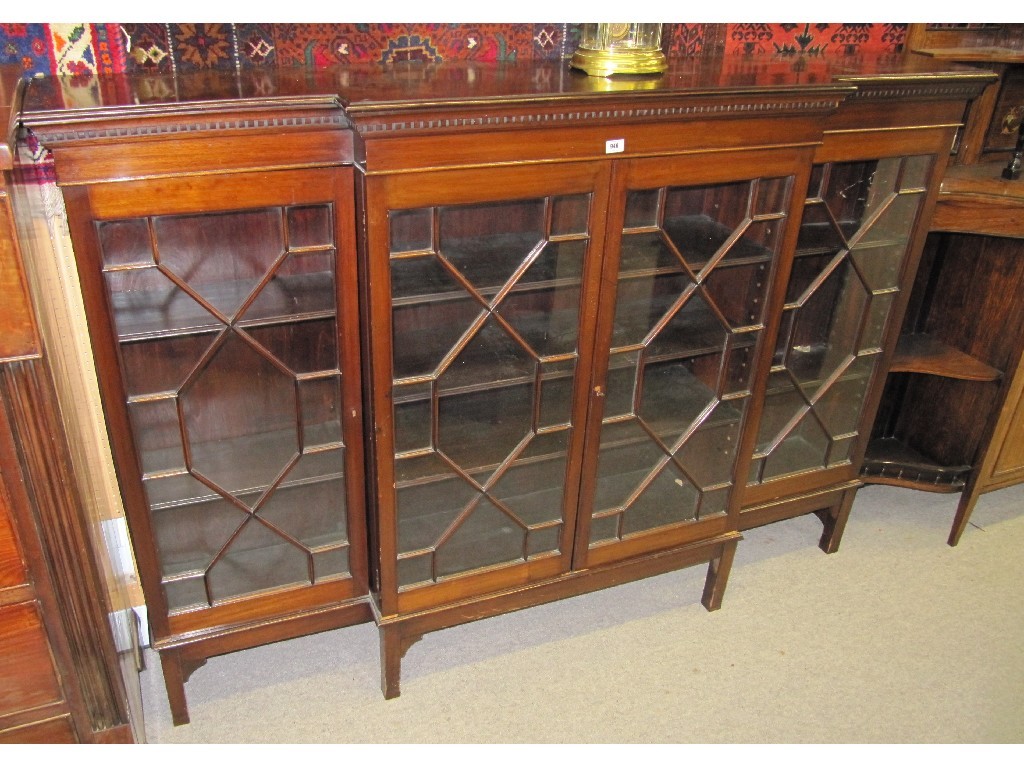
(28,677)
(12,566)
(110,162)
(75,603)
(976,305)
(58,730)
(17,328)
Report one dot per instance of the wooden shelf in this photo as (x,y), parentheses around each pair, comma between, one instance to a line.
(921,353)
(889,461)
(697,238)
(694,330)
(418,277)
(265,456)
(170,312)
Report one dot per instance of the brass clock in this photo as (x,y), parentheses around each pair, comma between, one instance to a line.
(608,49)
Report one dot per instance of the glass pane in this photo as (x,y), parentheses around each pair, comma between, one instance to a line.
(157,434)
(604,528)
(642,208)
(492,353)
(222,257)
(738,292)
(303,284)
(805,446)
(488,243)
(570,215)
(310,226)
(307,511)
(146,303)
(320,410)
(188,537)
(542,540)
(556,385)
(478,430)
(675,395)
(416,569)
(854,237)
(643,303)
(424,334)
(410,230)
(238,415)
(413,423)
(485,537)
(257,559)
(666,498)
(125,242)
(533,486)
(692,326)
(303,347)
(427,509)
(330,563)
(486,327)
(186,592)
(161,365)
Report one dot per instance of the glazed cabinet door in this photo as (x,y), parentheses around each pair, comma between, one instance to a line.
(481,311)
(693,248)
(225,323)
(855,236)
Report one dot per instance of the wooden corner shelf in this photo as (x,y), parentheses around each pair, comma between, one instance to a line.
(922,353)
(890,461)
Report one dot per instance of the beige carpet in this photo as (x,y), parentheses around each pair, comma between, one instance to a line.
(896,638)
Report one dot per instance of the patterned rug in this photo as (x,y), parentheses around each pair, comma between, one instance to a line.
(84,49)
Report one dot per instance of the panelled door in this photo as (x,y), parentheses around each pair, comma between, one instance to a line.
(483,296)
(855,236)
(225,326)
(693,248)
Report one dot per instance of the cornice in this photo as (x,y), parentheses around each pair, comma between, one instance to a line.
(572,115)
(131,129)
(885,91)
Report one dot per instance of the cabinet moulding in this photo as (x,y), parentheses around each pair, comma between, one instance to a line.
(144,130)
(547,118)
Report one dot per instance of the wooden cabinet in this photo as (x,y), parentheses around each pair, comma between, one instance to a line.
(224,321)
(597,326)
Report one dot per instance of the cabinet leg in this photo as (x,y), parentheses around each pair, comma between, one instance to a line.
(968,499)
(393,646)
(718,576)
(174,682)
(834,520)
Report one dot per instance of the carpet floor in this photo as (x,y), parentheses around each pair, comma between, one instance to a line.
(895,639)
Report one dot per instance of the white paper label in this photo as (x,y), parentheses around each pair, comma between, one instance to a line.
(614,145)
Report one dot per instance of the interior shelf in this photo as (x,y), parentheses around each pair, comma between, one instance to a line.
(822,239)
(265,456)
(170,312)
(922,353)
(890,461)
(697,238)
(806,365)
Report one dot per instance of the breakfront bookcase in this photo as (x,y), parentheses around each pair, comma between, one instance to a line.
(426,344)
